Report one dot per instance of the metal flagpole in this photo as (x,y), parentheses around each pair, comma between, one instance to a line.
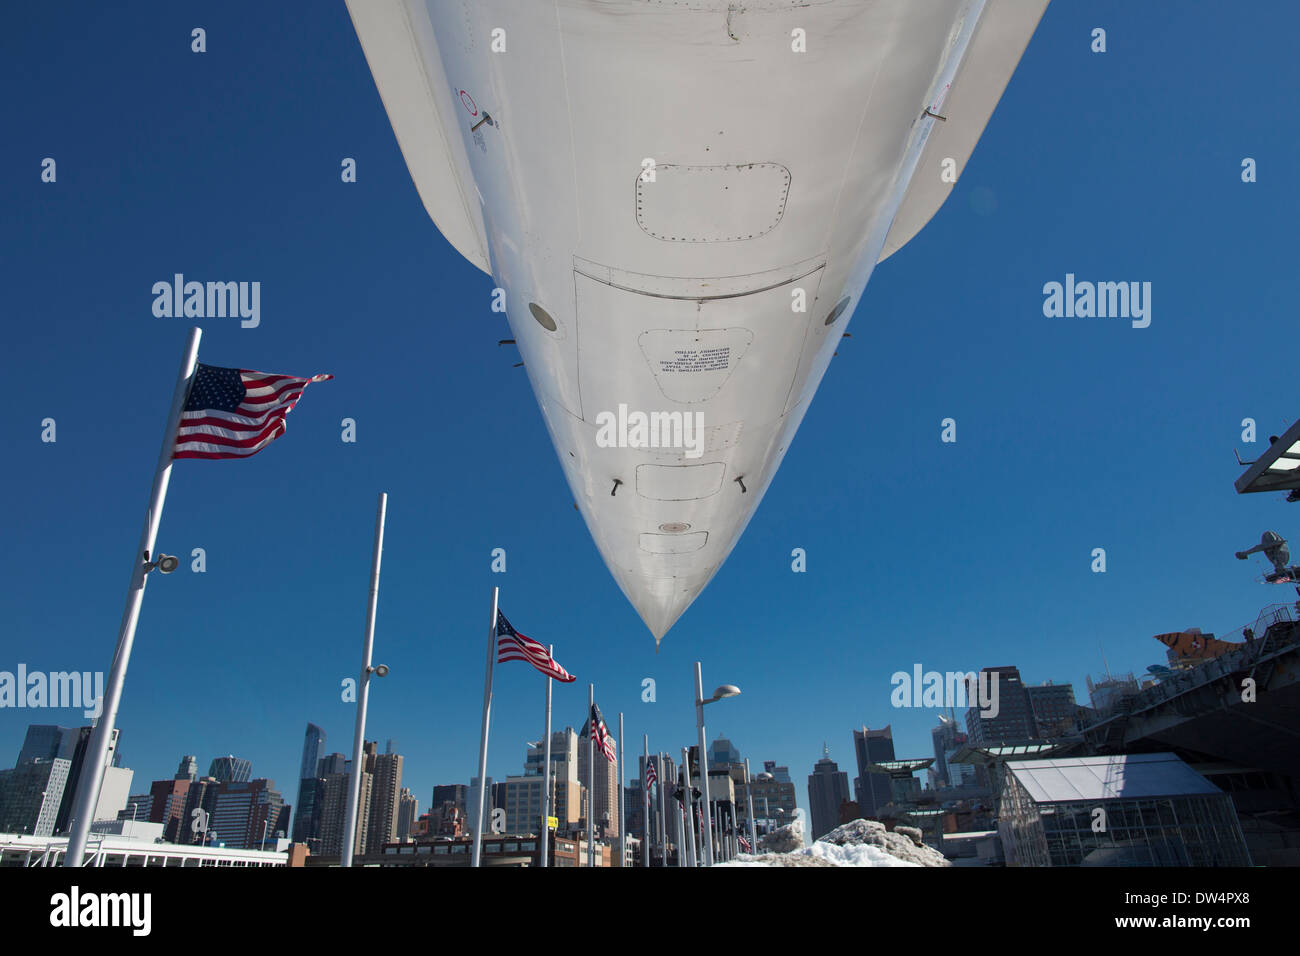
(749,812)
(645,798)
(483,734)
(591,775)
(663,814)
(363,691)
(689,805)
(622,836)
(546,773)
(96,756)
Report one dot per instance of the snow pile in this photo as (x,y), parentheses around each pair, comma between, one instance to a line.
(860,843)
(787,839)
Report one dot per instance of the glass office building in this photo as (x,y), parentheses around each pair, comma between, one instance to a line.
(1126,810)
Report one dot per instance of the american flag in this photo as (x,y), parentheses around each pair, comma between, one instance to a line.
(601,734)
(651,775)
(513,646)
(744,844)
(235,412)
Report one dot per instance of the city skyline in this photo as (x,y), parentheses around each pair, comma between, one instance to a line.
(316,740)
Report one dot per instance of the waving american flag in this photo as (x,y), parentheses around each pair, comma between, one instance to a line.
(601,734)
(235,412)
(651,775)
(513,646)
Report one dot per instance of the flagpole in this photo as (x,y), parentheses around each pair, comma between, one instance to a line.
(622,836)
(93,763)
(591,775)
(483,734)
(645,798)
(663,815)
(749,812)
(546,772)
(681,842)
(689,805)
(363,689)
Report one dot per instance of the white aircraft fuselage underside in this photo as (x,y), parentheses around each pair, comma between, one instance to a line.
(657,187)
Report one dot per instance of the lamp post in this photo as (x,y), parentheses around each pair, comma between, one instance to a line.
(724,691)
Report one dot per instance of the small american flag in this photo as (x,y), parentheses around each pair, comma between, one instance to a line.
(601,734)
(235,412)
(513,646)
(651,775)
(744,844)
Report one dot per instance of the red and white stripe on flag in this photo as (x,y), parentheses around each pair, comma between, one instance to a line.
(235,412)
(513,646)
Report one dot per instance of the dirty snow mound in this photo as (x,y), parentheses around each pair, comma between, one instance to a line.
(860,843)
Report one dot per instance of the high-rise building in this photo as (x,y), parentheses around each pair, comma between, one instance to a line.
(723,754)
(333,763)
(828,787)
(334,810)
(43,742)
(408,811)
(247,813)
(313,748)
(201,795)
(231,769)
(564,749)
(167,806)
(1053,708)
(774,799)
(569,787)
(188,769)
(385,795)
(944,739)
(306,821)
(49,742)
(1014,720)
(871,789)
(524,803)
(457,794)
(30,795)
(138,807)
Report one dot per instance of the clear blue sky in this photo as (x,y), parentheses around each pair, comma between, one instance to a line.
(1073,434)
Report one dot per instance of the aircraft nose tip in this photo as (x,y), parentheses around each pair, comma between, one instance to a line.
(661,613)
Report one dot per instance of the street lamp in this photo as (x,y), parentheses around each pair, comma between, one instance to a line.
(723,691)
